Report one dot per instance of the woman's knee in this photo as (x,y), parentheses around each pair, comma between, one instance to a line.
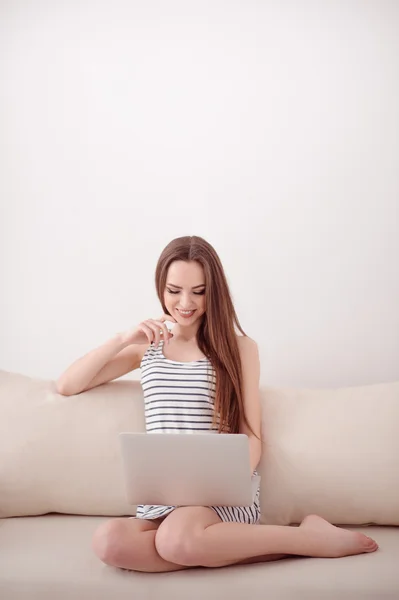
(108,541)
(178,545)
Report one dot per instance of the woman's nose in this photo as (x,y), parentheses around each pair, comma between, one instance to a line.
(185,302)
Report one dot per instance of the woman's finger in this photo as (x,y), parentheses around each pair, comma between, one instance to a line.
(169,318)
(147,332)
(165,331)
(157,332)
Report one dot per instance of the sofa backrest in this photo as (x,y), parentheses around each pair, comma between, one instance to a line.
(331,452)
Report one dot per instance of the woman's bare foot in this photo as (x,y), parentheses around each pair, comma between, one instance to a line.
(328,541)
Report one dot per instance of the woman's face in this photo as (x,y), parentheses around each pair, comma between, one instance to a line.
(184,294)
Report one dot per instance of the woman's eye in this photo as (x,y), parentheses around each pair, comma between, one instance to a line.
(201,293)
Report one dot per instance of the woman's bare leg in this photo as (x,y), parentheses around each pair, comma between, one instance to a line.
(195,536)
(130,544)
(191,536)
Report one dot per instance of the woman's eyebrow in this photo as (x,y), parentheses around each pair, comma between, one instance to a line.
(180,288)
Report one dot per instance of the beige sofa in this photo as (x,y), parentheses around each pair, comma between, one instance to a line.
(331,452)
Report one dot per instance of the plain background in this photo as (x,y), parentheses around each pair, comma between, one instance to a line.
(270,128)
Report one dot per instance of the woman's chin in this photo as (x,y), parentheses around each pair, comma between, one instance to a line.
(188,322)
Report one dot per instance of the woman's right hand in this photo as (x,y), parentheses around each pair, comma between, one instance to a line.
(152,330)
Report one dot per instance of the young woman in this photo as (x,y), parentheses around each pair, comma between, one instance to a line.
(201,376)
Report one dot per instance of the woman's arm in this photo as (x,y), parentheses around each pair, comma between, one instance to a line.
(250,385)
(120,355)
(105,363)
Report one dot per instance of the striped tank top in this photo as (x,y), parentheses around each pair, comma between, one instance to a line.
(179,398)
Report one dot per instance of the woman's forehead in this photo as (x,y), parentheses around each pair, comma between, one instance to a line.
(186,273)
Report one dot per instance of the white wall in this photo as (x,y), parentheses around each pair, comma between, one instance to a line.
(270,128)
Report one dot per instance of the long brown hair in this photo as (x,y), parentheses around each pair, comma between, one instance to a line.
(216,336)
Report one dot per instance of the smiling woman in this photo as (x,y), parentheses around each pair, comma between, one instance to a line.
(202,376)
(192,288)
(183,299)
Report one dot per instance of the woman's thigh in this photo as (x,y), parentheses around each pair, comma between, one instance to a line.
(130,544)
(178,538)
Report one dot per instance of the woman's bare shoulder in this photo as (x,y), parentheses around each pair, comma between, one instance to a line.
(141,350)
(246,344)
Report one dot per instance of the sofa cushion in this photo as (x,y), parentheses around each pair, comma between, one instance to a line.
(331,452)
(61,454)
(51,557)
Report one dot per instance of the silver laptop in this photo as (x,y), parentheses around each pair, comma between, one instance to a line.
(201,469)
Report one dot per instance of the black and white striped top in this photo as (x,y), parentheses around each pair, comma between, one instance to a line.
(179,397)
